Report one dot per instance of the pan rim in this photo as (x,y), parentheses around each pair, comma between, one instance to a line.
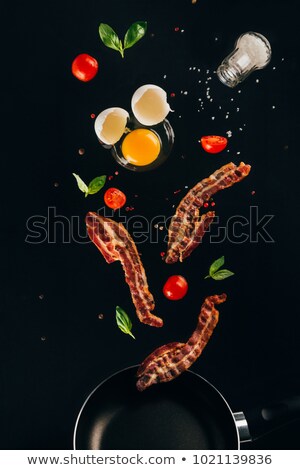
(134,367)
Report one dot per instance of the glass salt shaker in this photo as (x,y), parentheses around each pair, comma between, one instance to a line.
(252,52)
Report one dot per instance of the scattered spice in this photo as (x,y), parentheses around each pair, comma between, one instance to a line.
(81,151)
(100,316)
(93,116)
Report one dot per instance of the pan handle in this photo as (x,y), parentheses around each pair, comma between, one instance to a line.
(256,422)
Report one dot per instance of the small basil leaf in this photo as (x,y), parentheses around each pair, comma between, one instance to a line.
(135,33)
(81,184)
(123,321)
(223,274)
(96,184)
(109,37)
(216,265)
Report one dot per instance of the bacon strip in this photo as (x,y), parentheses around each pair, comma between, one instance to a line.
(165,365)
(185,230)
(162,352)
(115,244)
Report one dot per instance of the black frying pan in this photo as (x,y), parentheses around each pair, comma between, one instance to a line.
(186,413)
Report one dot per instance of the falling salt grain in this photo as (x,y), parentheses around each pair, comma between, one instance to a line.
(194,68)
(220,107)
(237,110)
(165,76)
(216,39)
(282,59)
(100,316)
(81,151)
(257,80)
(41,296)
(240,128)
(43,338)
(182,31)
(273,107)
(231,99)
(213,118)
(185,93)
(56,185)
(186,187)
(156,226)
(238,153)
(274,68)
(229,133)
(161,227)
(239,91)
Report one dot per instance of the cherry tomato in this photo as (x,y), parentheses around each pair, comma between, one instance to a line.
(84,67)
(213,143)
(175,288)
(114,198)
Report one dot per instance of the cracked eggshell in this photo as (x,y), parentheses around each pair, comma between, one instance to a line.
(149,105)
(110,125)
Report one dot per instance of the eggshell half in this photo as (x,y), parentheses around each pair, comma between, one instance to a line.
(110,125)
(149,105)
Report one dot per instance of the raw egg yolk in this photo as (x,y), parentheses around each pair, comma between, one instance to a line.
(141,147)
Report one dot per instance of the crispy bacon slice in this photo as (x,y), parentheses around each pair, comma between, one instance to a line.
(163,352)
(186,230)
(115,244)
(167,362)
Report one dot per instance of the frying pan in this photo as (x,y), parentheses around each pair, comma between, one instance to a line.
(186,413)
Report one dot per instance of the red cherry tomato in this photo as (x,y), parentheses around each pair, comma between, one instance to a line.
(84,67)
(114,198)
(175,288)
(213,143)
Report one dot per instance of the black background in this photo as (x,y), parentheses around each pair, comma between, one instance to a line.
(55,349)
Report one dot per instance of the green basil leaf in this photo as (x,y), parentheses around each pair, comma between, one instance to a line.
(216,265)
(135,33)
(81,184)
(123,321)
(109,37)
(223,274)
(96,184)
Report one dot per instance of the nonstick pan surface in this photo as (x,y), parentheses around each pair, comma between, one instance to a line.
(187,413)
